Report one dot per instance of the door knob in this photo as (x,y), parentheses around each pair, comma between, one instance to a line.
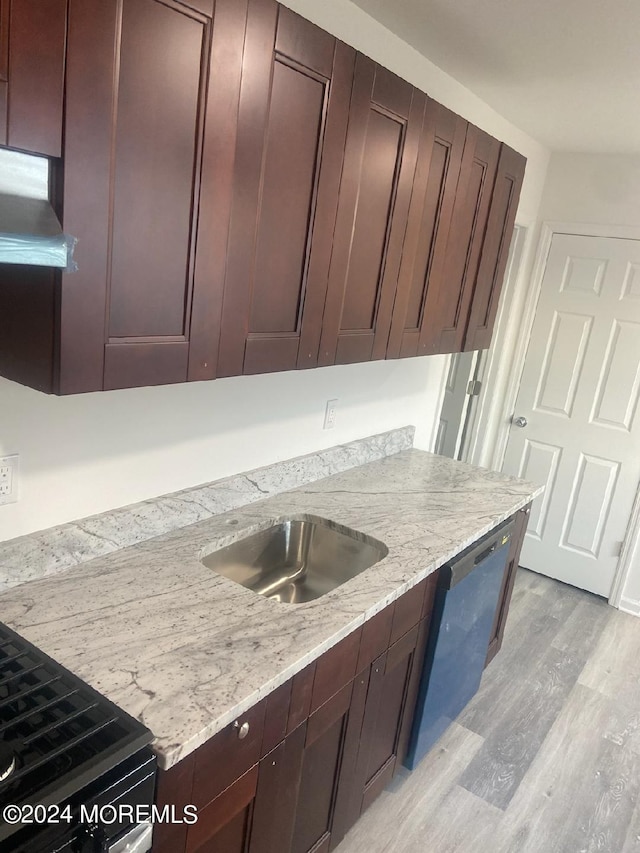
(520,422)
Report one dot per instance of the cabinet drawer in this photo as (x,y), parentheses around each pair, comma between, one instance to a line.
(376,636)
(413,606)
(429,595)
(276,716)
(407,611)
(335,669)
(301,692)
(174,788)
(228,755)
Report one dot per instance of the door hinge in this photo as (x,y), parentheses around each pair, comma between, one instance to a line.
(474,387)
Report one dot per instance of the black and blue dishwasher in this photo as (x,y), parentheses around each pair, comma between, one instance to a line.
(464,610)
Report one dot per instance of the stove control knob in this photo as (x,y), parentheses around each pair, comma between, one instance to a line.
(91,839)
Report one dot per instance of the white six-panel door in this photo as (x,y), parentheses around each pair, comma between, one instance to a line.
(579,397)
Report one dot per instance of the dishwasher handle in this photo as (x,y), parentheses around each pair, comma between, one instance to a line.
(486,553)
(468,560)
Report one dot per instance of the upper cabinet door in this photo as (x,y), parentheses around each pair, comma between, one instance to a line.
(5,11)
(495,250)
(137,83)
(380,160)
(448,304)
(293,113)
(424,250)
(32,57)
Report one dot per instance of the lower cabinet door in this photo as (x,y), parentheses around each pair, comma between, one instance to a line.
(276,795)
(255,814)
(391,697)
(327,771)
(224,825)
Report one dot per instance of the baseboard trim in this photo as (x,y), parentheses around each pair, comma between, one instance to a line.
(629,605)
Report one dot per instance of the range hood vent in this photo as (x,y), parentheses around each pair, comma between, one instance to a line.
(31,234)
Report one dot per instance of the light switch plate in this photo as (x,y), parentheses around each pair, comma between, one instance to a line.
(9,479)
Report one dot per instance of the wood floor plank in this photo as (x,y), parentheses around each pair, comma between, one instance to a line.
(514,739)
(526,640)
(623,726)
(396,821)
(614,666)
(561,599)
(632,839)
(582,630)
(463,822)
(608,799)
(581,791)
(525,579)
(536,582)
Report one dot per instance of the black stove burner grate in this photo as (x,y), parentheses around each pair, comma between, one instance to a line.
(62,732)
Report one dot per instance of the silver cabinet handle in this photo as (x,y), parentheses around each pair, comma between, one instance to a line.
(520,422)
(243,730)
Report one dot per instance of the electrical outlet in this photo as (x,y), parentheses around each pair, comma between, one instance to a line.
(8,479)
(330,414)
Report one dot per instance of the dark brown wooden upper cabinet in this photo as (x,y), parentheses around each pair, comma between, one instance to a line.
(425,244)
(5,10)
(385,123)
(249,195)
(495,249)
(140,161)
(294,106)
(32,58)
(448,302)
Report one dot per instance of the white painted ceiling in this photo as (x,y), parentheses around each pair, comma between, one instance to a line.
(565,71)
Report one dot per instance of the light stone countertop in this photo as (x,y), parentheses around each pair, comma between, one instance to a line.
(187,651)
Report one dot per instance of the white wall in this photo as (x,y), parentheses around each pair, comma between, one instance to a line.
(592,188)
(86,454)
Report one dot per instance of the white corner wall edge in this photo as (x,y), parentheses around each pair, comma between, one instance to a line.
(49,552)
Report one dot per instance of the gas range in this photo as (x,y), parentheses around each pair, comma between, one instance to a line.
(66,752)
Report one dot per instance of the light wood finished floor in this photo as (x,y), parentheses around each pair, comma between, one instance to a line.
(546,758)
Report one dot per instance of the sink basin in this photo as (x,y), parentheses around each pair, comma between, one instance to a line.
(298,559)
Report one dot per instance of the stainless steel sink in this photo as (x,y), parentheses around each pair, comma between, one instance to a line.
(298,559)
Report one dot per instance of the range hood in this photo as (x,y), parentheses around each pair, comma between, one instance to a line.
(31,234)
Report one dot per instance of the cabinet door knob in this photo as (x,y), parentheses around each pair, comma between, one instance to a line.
(243,730)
